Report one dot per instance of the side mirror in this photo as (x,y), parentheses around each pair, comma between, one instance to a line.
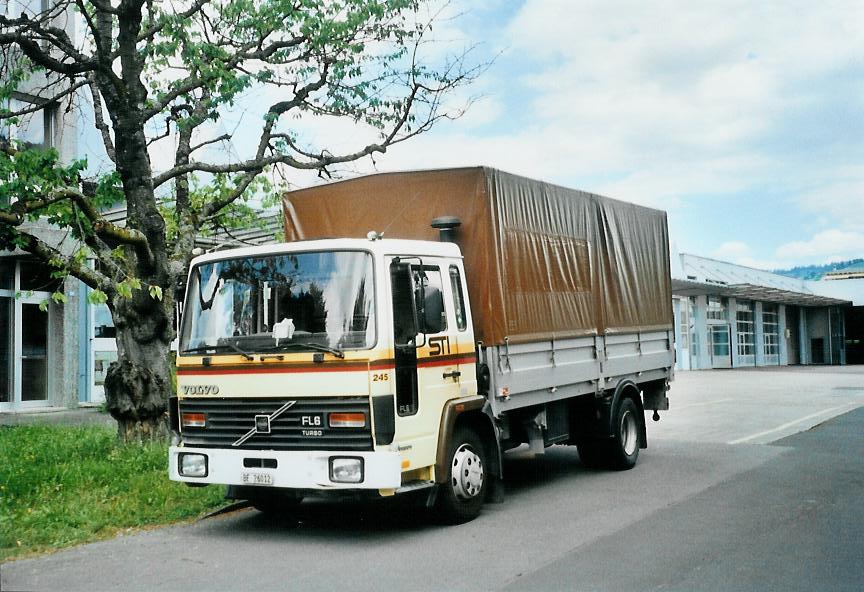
(433,310)
(406,316)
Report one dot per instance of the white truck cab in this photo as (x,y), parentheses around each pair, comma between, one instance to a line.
(322,365)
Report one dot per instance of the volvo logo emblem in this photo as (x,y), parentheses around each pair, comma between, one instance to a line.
(200,389)
(262,423)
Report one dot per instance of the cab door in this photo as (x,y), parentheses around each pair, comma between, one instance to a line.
(462,341)
(425,338)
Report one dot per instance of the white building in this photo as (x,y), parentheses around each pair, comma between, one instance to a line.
(731,316)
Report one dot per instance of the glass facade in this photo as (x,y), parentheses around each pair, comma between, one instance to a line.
(716,309)
(6,335)
(745,329)
(684,334)
(770,330)
(34,353)
(24,332)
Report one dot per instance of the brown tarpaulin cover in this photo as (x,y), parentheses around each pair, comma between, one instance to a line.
(542,261)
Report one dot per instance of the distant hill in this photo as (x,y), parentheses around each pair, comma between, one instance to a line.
(815,272)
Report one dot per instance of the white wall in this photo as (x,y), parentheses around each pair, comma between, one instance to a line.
(845,289)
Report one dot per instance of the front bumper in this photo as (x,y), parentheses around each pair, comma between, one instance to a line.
(294,469)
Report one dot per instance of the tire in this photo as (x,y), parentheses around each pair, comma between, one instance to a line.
(462,496)
(623,448)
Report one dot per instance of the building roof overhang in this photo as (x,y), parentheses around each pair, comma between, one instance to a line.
(754,292)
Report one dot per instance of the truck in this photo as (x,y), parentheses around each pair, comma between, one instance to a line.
(411,329)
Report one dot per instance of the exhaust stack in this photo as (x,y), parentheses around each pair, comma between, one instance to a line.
(447,226)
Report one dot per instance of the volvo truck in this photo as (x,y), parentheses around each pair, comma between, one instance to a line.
(413,328)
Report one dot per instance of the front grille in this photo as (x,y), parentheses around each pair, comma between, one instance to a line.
(228,420)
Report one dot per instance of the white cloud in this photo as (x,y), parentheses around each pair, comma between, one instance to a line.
(828,246)
(841,197)
(732,250)
(741,253)
(831,244)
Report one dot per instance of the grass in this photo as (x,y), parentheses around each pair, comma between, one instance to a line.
(61,486)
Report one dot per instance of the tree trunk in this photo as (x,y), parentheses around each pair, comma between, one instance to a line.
(139,383)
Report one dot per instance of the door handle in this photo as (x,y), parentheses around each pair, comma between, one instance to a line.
(454,374)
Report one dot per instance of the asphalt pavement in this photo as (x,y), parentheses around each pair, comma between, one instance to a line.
(712,505)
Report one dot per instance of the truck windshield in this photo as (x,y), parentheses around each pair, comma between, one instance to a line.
(294,301)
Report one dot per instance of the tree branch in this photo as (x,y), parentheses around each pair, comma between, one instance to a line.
(36,107)
(27,35)
(107,231)
(99,118)
(244,53)
(148,34)
(79,269)
(213,208)
(222,138)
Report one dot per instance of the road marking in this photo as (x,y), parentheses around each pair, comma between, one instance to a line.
(792,423)
(701,404)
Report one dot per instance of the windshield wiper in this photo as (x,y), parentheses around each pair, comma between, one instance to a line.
(309,345)
(221,346)
(200,348)
(240,351)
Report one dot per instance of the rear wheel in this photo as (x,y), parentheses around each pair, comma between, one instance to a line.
(624,446)
(462,496)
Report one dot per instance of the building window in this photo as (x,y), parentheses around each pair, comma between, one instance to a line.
(691,311)
(38,277)
(101,361)
(745,329)
(35,129)
(685,323)
(103,324)
(771,328)
(716,308)
(7,274)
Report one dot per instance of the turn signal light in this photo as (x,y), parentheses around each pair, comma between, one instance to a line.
(193,420)
(347,420)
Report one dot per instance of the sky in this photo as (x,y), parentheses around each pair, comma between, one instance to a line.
(743,120)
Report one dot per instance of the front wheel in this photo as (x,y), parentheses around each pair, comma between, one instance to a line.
(462,496)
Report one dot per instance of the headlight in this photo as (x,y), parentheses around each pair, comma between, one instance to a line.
(192,465)
(346,470)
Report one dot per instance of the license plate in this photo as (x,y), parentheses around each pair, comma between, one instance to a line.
(256,478)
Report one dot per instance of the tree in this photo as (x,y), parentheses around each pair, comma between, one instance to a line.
(152,71)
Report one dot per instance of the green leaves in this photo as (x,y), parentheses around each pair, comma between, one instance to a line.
(97,297)
(245,213)
(125,287)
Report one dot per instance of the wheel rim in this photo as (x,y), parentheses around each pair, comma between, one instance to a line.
(467,473)
(628,433)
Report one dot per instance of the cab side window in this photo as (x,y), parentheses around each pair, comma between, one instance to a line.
(458,298)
